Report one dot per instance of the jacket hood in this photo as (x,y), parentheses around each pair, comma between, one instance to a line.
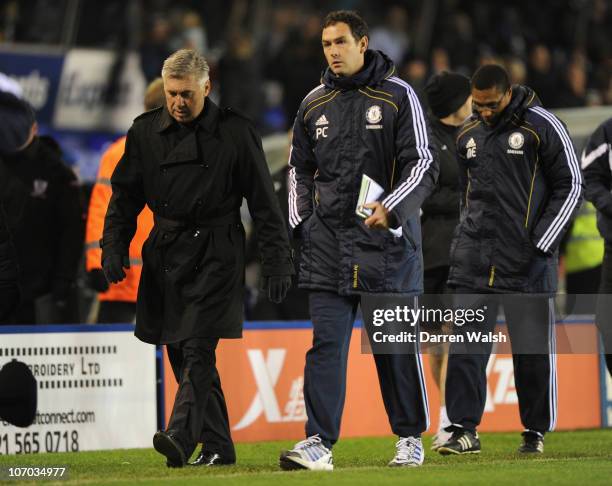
(523,98)
(377,66)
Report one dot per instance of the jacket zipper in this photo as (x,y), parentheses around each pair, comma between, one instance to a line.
(467,191)
(535,169)
(492,276)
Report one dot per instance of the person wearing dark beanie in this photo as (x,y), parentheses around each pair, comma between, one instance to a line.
(446,93)
(448,96)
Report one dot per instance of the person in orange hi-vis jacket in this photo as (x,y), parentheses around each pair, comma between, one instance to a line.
(117,301)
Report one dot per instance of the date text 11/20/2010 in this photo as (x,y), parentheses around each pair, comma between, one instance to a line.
(36,442)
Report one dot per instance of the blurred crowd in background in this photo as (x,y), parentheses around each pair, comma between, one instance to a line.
(266,54)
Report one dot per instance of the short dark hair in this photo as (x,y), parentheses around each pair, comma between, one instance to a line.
(358,26)
(491,76)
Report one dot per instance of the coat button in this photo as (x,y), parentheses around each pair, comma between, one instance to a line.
(196,233)
(164,170)
(166,269)
(164,236)
(165,204)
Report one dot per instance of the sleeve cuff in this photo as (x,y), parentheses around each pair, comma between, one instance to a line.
(393,219)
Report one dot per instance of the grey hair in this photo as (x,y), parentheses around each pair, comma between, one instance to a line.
(186,62)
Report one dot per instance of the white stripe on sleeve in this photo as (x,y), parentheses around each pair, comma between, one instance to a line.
(573,197)
(422,146)
(594,154)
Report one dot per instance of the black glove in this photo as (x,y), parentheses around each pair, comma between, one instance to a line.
(96,280)
(277,287)
(61,291)
(113,267)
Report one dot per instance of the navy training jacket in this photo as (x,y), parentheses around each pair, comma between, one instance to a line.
(521,187)
(371,123)
(596,167)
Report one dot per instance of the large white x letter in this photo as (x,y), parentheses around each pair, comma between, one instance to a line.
(266,373)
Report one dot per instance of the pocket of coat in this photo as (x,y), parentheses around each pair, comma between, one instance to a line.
(303,230)
(455,242)
(409,237)
(226,243)
(325,197)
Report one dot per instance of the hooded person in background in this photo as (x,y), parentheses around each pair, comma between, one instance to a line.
(15,133)
(40,194)
(18,387)
(450,104)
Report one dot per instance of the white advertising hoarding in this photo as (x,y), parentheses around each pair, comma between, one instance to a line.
(82,100)
(96,390)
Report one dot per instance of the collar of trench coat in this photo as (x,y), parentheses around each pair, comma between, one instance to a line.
(207,119)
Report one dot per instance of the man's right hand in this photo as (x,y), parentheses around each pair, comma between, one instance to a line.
(97,280)
(276,287)
(113,266)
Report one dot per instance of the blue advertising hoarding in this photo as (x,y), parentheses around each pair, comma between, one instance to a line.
(39,76)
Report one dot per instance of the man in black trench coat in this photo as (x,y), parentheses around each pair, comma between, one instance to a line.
(192,163)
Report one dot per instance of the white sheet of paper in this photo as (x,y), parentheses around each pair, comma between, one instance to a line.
(369,192)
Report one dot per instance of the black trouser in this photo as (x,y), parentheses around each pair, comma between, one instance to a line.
(199,413)
(581,291)
(44,310)
(604,306)
(434,283)
(400,375)
(434,280)
(530,321)
(116,312)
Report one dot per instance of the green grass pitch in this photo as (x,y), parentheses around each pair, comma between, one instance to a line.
(581,457)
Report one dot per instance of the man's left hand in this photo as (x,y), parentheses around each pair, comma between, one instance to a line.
(277,287)
(379,218)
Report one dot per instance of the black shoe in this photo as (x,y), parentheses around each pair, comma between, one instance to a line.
(211,459)
(461,442)
(166,443)
(533,442)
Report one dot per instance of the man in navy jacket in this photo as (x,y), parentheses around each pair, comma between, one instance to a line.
(361,120)
(596,161)
(521,184)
